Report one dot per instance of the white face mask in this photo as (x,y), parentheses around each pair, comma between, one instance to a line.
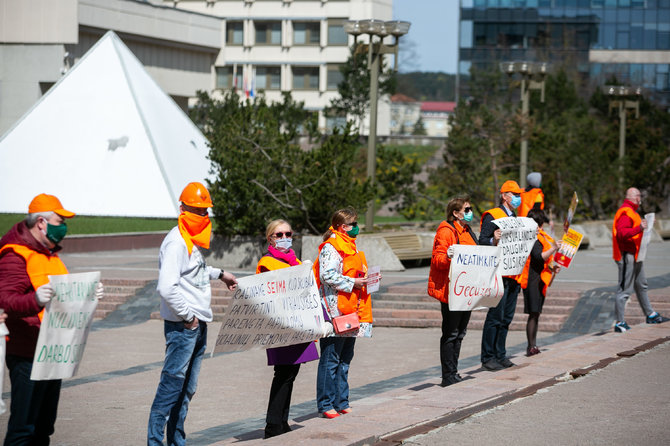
(284,243)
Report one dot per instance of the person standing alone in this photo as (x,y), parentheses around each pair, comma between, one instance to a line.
(186,294)
(627,232)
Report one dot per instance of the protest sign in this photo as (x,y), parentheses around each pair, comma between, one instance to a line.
(474,278)
(571,212)
(374,275)
(646,237)
(518,234)
(272,309)
(3,350)
(65,326)
(569,246)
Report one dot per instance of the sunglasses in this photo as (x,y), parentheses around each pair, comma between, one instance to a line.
(288,234)
(353,224)
(467,209)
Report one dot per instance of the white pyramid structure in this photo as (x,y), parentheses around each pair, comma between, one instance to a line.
(105,139)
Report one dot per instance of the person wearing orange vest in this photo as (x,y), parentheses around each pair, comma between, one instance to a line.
(287,359)
(454,230)
(494,335)
(532,197)
(341,270)
(28,255)
(186,296)
(536,277)
(627,230)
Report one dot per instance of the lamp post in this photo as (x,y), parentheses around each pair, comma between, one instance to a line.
(376,50)
(623,99)
(532,78)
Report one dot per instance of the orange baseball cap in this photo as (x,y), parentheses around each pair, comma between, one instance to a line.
(511,186)
(48,203)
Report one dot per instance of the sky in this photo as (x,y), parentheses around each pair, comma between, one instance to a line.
(433,36)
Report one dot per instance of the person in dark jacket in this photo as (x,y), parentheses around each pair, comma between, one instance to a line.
(494,335)
(28,255)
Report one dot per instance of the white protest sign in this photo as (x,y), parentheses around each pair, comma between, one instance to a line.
(646,237)
(374,276)
(3,350)
(275,308)
(65,326)
(516,241)
(474,278)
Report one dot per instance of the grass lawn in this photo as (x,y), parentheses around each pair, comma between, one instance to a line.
(99,225)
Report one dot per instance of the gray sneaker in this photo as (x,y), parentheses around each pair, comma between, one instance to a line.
(492,365)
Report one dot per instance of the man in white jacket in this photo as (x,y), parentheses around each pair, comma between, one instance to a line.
(186,294)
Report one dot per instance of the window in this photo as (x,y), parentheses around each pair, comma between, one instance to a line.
(268,33)
(234,33)
(306,33)
(305,78)
(333,122)
(335,77)
(224,77)
(336,34)
(268,78)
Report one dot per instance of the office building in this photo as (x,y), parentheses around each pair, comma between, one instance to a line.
(288,45)
(629,39)
(41,39)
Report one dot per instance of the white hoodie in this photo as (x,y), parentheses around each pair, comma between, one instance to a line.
(183,281)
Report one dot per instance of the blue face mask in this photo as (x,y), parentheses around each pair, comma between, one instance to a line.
(284,243)
(516,201)
(467,216)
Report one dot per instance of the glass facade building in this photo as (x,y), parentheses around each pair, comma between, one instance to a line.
(600,38)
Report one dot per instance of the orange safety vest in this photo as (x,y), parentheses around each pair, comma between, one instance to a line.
(545,276)
(496,213)
(637,238)
(528,200)
(354,265)
(38,266)
(271,264)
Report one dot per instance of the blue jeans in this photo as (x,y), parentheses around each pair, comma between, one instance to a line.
(184,351)
(496,326)
(332,385)
(33,407)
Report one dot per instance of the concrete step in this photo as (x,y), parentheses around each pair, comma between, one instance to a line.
(121,289)
(403,297)
(117,292)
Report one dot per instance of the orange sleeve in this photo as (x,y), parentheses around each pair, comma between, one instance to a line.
(444,238)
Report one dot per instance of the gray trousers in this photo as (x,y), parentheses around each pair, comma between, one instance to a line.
(631,276)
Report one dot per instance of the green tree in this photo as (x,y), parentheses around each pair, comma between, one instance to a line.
(354,90)
(261,173)
(419,127)
(427,86)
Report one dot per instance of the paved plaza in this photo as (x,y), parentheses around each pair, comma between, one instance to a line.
(394,377)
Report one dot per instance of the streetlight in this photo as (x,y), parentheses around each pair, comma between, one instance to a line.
(532,78)
(376,50)
(623,99)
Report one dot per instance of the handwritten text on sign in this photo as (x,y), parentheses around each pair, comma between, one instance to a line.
(518,234)
(275,308)
(474,278)
(65,326)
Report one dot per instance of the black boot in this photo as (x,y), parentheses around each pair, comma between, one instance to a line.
(272,430)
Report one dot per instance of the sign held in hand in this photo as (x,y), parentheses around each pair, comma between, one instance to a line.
(65,326)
